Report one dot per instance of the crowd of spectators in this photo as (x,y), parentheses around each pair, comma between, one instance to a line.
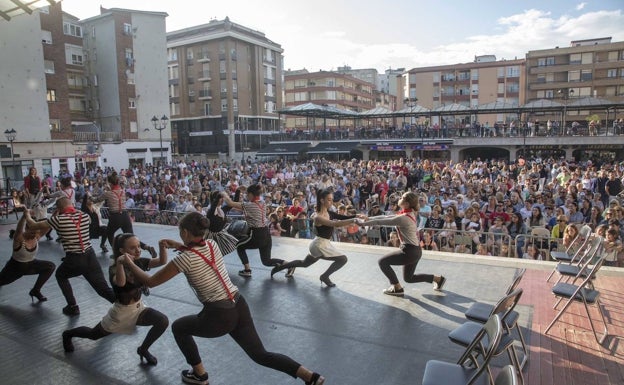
(477,206)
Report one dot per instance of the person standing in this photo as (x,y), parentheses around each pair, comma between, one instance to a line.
(23,261)
(118,217)
(225,310)
(321,246)
(260,236)
(216,231)
(32,186)
(73,229)
(96,229)
(410,252)
(128,311)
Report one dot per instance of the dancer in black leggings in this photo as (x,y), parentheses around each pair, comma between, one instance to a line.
(321,246)
(260,236)
(225,310)
(118,217)
(23,261)
(128,311)
(409,252)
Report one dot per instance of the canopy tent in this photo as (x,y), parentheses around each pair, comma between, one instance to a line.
(12,8)
(318,111)
(590,102)
(283,149)
(497,107)
(452,108)
(377,112)
(412,111)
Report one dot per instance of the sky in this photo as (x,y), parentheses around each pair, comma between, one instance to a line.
(326,34)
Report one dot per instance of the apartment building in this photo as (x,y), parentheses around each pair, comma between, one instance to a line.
(72,96)
(125,59)
(326,88)
(586,68)
(225,87)
(485,80)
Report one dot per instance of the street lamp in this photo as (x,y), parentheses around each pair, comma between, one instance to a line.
(565,94)
(10,135)
(411,103)
(160,126)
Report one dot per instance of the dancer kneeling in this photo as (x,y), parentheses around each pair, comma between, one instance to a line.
(128,311)
(321,246)
(409,252)
(225,310)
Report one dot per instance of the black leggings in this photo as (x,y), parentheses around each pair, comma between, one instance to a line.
(148,317)
(338,262)
(118,221)
(215,321)
(408,257)
(14,270)
(260,238)
(84,264)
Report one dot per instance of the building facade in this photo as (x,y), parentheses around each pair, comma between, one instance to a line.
(483,81)
(326,88)
(225,86)
(587,68)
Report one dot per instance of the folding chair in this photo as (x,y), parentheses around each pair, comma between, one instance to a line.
(464,334)
(507,376)
(374,236)
(581,293)
(481,312)
(581,268)
(472,365)
(569,254)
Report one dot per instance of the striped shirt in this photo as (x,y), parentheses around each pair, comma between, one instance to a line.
(201,277)
(73,228)
(255,215)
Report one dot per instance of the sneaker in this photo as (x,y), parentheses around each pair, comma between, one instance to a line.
(71,310)
(290,272)
(245,273)
(394,291)
(316,379)
(191,378)
(68,346)
(437,286)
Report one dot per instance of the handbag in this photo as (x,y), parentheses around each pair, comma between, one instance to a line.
(239,229)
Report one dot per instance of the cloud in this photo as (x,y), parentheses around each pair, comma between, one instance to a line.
(580,6)
(515,35)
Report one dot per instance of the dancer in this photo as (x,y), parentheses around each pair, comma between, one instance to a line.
(73,228)
(259,237)
(23,261)
(128,311)
(118,217)
(321,247)
(96,229)
(225,309)
(409,252)
(216,231)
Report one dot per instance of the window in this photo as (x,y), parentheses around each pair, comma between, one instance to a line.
(500,72)
(129,55)
(612,73)
(75,81)
(612,56)
(222,66)
(587,58)
(541,78)
(76,104)
(207,109)
(331,95)
(575,58)
(72,29)
(301,96)
(513,72)
(224,105)
(46,37)
(541,62)
(73,54)
(550,61)
(55,125)
(134,127)
(51,95)
(130,77)
(174,91)
(172,54)
(586,75)
(48,66)
(175,108)
(127,29)
(610,91)
(474,75)
(131,103)
(574,76)
(173,72)
(234,104)
(189,54)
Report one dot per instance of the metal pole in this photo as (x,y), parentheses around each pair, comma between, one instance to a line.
(161,151)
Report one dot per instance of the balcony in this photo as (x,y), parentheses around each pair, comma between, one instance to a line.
(204,57)
(80,136)
(203,76)
(205,95)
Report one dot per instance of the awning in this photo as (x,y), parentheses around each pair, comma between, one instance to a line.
(333,148)
(283,149)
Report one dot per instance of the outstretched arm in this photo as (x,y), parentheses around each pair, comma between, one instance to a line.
(160,277)
(228,201)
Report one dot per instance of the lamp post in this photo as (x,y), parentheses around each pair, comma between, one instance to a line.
(565,94)
(10,135)
(160,125)
(411,103)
